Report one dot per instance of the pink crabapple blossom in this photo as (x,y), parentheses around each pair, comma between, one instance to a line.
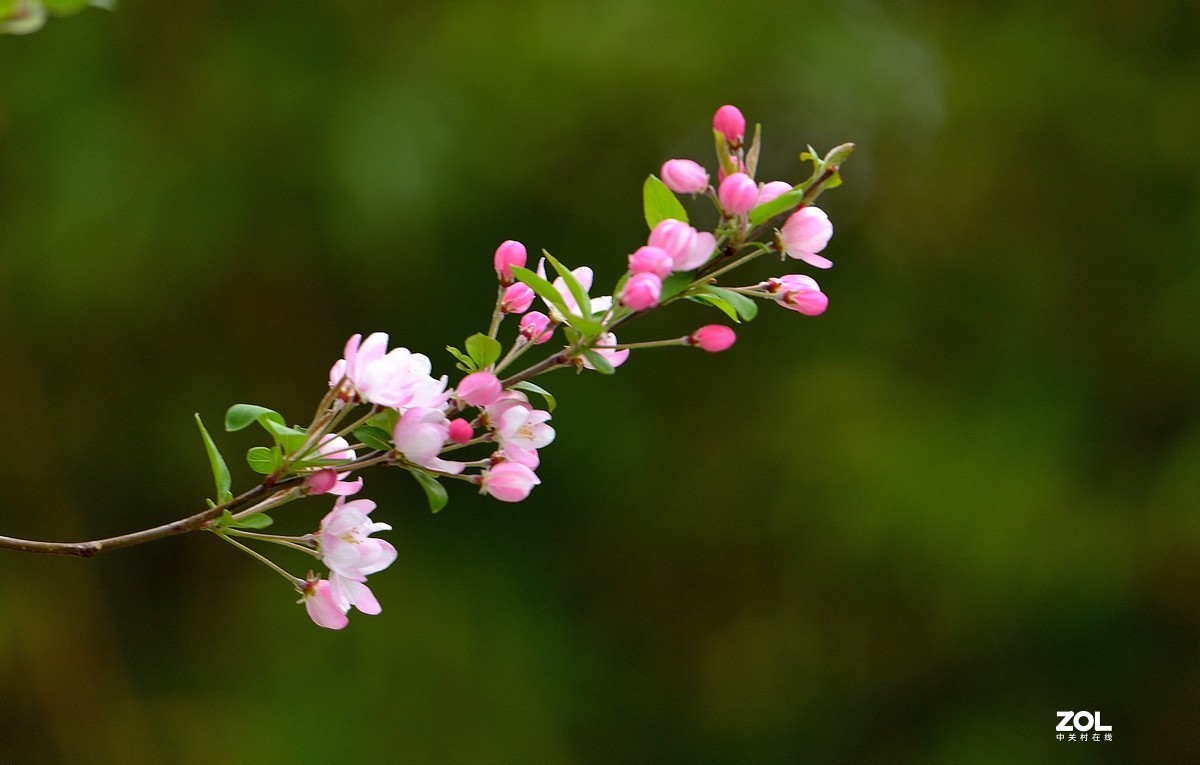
(330,481)
(805,234)
(351,591)
(517,298)
(524,428)
(689,249)
(535,327)
(642,291)
(730,123)
(398,378)
(798,292)
(479,388)
(772,191)
(651,260)
(610,354)
(713,338)
(738,194)
(420,436)
(460,431)
(345,544)
(322,608)
(683,176)
(509,254)
(508,481)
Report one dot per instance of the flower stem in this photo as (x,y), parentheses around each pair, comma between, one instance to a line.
(296,581)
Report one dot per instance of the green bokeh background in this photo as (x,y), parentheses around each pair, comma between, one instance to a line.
(908,531)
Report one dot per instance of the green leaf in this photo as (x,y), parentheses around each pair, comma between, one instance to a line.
(264,460)
(746,307)
(483,350)
(256,521)
(241,416)
(551,403)
(673,285)
(544,289)
(660,203)
(290,439)
(466,363)
(434,491)
(577,291)
(386,421)
(724,156)
(599,362)
(752,154)
(838,154)
(776,206)
(374,437)
(717,302)
(220,470)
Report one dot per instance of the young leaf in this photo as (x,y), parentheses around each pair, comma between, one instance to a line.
(263,460)
(243,415)
(467,364)
(483,350)
(839,154)
(660,203)
(779,204)
(551,403)
(673,285)
(256,521)
(386,421)
(716,302)
(290,439)
(544,289)
(374,437)
(434,491)
(601,364)
(220,470)
(752,154)
(746,307)
(577,291)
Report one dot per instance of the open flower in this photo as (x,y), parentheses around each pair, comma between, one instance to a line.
(798,292)
(524,428)
(805,234)
(321,605)
(345,544)
(508,481)
(420,436)
(398,378)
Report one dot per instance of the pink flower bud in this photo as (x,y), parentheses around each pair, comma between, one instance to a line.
(479,388)
(800,293)
(805,234)
(738,194)
(321,481)
(642,291)
(713,338)
(772,191)
(683,176)
(460,431)
(651,260)
(322,607)
(517,298)
(508,481)
(509,254)
(535,327)
(730,123)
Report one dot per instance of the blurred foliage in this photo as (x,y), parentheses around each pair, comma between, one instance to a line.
(908,531)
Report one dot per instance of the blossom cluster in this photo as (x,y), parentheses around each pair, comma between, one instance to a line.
(485,430)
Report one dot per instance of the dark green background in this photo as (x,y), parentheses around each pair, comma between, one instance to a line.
(908,531)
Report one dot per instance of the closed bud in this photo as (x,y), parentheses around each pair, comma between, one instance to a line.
(517,298)
(713,338)
(642,291)
(509,254)
(651,260)
(738,194)
(683,176)
(731,124)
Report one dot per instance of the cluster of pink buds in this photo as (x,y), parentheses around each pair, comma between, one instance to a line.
(388,407)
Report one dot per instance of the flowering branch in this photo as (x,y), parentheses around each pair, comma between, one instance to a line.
(402,416)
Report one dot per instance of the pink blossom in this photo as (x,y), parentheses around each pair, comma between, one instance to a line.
(799,292)
(527,457)
(738,194)
(330,481)
(713,338)
(683,176)
(479,388)
(508,481)
(642,291)
(730,123)
(524,428)
(688,248)
(345,544)
(651,260)
(805,234)
(613,356)
(772,191)
(508,400)
(322,608)
(351,591)
(420,436)
(460,431)
(535,326)
(517,298)
(399,378)
(509,254)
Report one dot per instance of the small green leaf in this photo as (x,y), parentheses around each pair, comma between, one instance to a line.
(243,415)
(776,206)
(746,307)
(724,156)
(483,350)
(673,285)
(577,291)
(599,362)
(551,403)
(290,439)
(660,203)
(434,491)
(386,420)
(838,155)
(466,363)
(220,470)
(717,302)
(264,460)
(374,437)
(256,521)
(544,289)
